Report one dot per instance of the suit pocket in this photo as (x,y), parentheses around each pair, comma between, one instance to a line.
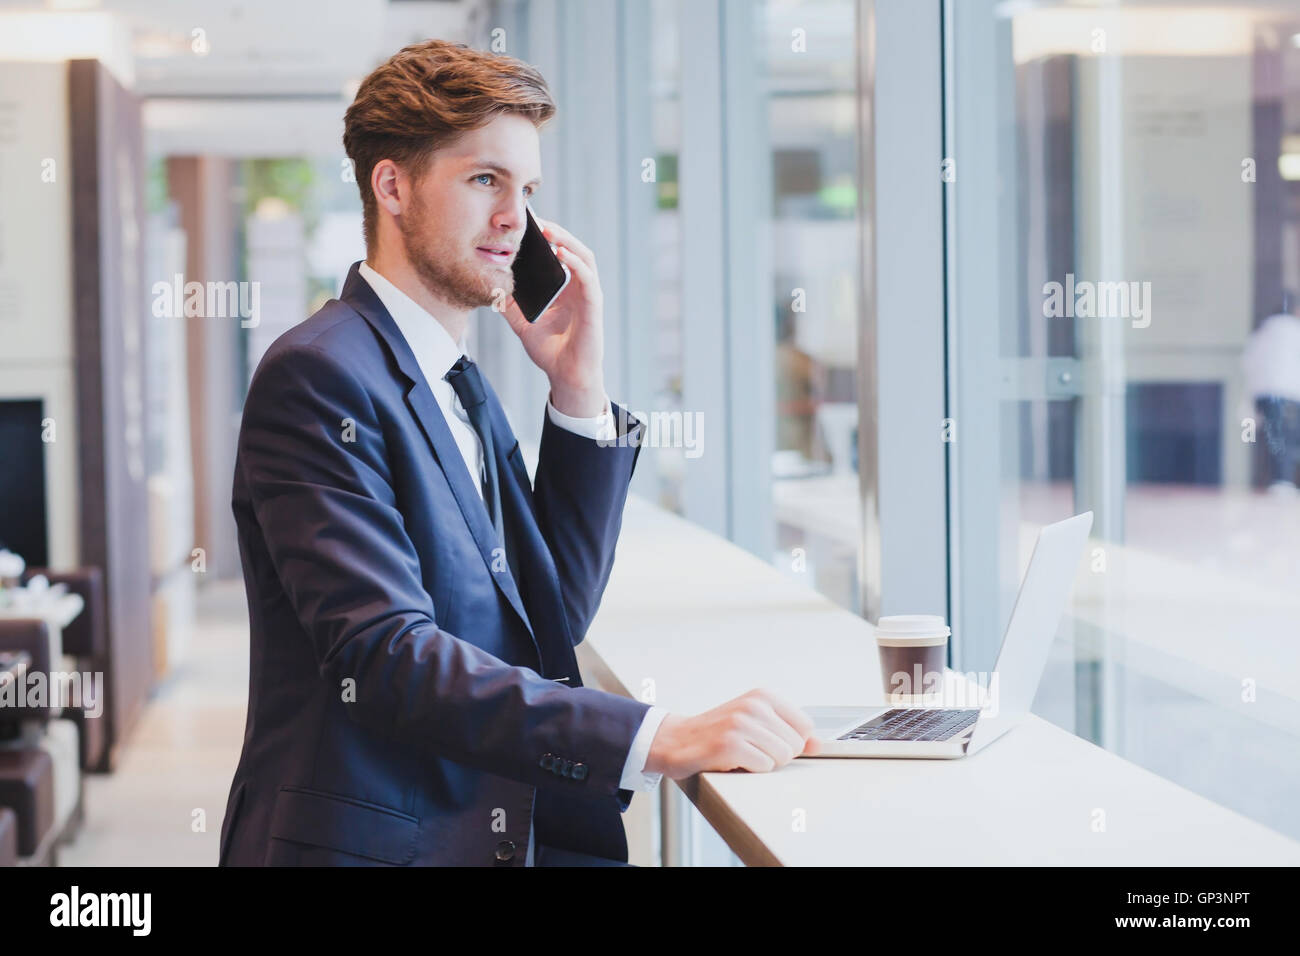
(516,460)
(345,824)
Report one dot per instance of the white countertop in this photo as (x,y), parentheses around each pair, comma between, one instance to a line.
(695,621)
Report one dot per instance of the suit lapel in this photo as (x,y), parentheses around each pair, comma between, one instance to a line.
(419,398)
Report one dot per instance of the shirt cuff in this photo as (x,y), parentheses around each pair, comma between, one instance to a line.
(634,775)
(601,426)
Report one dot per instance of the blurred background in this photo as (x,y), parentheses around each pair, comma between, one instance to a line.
(824,229)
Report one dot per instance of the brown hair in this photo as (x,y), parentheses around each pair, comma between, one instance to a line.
(425,97)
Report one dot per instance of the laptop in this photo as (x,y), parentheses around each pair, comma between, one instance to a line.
(947,732)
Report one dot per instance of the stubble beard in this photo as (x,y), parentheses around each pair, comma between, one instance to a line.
(466,285)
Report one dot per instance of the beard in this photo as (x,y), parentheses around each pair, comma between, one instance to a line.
(440,265)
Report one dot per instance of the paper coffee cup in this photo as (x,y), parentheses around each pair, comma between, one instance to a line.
(913,653)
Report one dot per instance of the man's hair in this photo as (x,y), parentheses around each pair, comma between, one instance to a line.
(424,98)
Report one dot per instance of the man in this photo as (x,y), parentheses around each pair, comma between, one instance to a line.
(1271,359)
(414,603)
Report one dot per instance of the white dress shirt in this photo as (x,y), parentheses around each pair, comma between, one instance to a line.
(436,352)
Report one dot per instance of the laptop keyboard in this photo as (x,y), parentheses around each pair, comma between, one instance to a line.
(914,723)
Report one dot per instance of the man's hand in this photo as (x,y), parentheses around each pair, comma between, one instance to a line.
(567,341)
(758,731)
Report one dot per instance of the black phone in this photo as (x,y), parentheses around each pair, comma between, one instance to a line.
(539,275)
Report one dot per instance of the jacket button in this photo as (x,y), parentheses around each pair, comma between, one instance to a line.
(567,768)
(547,761)
(579,771)
(505,851)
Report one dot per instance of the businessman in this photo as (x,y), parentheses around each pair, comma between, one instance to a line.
(414,601)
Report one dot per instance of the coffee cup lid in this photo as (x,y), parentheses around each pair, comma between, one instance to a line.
(912,623)
(904,629)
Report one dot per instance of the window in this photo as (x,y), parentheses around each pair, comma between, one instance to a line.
(1121,229)
(808,83)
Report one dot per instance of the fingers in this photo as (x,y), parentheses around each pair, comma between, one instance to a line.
(584,273)
(750,757)
(779,744)
(758,731)
(788,712)
(514,315)
(574,254)
(765,732)
(762,717)
(777,728)
(568,240)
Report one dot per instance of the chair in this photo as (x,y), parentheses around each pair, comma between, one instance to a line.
(38,752)
(27,790)
(8,837)
(85,640)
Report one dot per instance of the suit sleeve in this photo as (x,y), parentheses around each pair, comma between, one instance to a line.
(579,491)
(312,456)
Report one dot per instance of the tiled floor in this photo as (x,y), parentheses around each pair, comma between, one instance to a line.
(181,756)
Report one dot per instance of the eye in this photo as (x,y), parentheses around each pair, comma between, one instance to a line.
(491,179)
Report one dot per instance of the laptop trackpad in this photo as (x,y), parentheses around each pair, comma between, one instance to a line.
(830,722)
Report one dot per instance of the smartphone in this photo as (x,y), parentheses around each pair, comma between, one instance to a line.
(539,275)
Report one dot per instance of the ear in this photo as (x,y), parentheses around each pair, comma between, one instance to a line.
(389,186)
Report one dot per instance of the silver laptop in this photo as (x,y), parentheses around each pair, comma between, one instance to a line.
(947,732)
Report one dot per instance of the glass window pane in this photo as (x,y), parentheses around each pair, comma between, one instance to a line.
(1124,241)
(808,50)
(666,119)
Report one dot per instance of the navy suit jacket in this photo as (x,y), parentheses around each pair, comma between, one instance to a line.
(404,701)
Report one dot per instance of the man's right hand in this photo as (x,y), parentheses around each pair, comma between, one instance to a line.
(758,731)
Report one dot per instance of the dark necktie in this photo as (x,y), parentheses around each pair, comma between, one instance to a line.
(468,385)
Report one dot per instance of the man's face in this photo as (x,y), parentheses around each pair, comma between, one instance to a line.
(465,220)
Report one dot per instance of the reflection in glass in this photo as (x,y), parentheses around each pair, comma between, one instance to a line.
(1128,303)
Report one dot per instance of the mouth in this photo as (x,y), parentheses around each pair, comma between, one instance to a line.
(500,255)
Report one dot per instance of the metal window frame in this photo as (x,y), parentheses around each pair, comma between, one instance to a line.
(902,347)
(728,489)
(983,262)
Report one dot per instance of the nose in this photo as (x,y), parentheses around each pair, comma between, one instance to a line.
(511,215)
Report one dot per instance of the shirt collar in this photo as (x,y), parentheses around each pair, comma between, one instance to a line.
(435,350)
